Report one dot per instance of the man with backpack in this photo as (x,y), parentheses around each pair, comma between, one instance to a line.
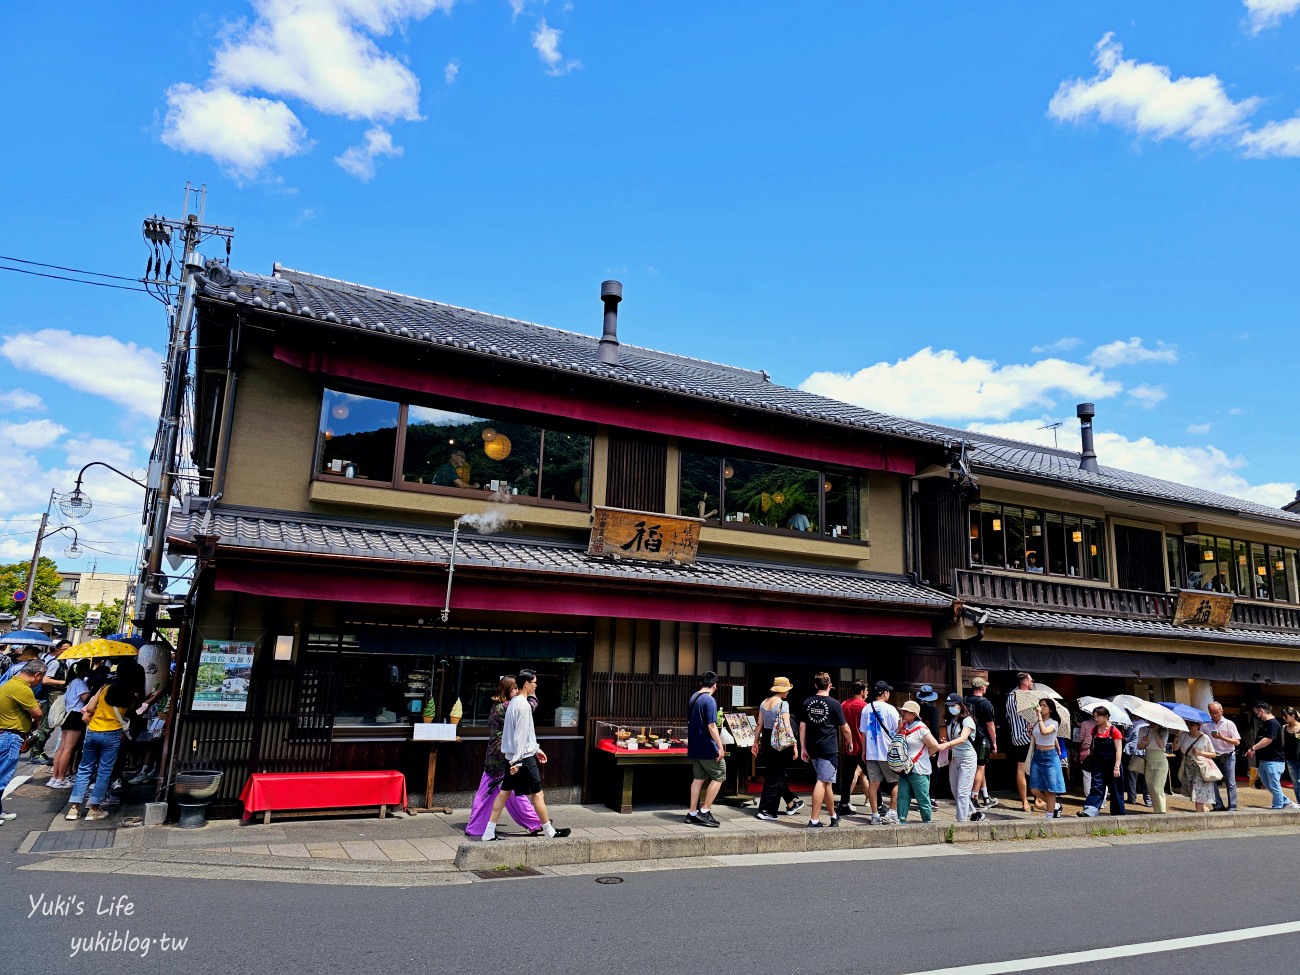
(879,722)
(986,743)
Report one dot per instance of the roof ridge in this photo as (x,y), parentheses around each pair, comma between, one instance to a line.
(762,373)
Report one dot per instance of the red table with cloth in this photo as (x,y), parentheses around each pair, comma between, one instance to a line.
(283,791)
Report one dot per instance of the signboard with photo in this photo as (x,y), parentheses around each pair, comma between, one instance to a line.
(225,672)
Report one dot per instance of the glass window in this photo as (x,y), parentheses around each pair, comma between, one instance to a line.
(1034,560)
(459,450)
(358,436)
(753,492)
(1013,527)
(1223,575)
(992,535)
(1277,574)
(1074,545)
(1174,556)
(1094,549)
(1056,544)
(1198,561)
(976,537)
(1243,582)
(1260,577)
(1292,562)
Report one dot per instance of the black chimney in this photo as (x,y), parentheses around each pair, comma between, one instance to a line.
(611,293)
(1088,461)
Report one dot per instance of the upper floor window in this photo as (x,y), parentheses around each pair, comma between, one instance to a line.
(1007,536)
(1252,570)
(425,448)
(742,491)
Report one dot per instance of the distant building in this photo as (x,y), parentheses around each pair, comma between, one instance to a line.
(93,588)
(1294,505)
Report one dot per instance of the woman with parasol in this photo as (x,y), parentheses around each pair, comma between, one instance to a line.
(1104,762)
(1196,748)
(1045,778)
(1153,743)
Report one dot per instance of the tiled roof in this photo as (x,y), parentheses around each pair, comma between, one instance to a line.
(1031,619)
(239,528)
(315,298)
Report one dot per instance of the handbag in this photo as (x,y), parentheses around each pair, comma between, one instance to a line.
(782,733)
(1137,764)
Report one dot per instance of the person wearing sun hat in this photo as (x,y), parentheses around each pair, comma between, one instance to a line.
(773,711)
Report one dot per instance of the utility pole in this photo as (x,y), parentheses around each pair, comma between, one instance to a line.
(31,572)
(165,462)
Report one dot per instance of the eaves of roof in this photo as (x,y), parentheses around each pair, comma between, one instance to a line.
(1029,619)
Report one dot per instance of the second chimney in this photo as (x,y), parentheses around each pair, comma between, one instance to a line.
(1088,460)
(611,293)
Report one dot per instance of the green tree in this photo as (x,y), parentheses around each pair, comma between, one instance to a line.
(110,620)
(68,611)
(13,577)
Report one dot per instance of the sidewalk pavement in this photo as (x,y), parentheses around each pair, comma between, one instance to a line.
(415,848)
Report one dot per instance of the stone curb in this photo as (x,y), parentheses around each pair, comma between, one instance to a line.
(548,853)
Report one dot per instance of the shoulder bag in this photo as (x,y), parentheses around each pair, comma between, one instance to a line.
(782,734)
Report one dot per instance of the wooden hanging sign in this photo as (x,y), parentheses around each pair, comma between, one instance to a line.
(1197,607)
(622,534)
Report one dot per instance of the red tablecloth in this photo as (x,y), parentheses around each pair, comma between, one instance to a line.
(607,745)
(278,791)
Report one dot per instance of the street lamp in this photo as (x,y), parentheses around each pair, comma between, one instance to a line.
(72,551)
(76,504)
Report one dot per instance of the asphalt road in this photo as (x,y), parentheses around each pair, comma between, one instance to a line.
(871,917)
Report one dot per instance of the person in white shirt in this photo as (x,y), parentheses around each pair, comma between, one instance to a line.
(1224,738)
(878,724)
(519,747)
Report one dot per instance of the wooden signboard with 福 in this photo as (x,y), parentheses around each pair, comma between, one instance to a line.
(1199,608)
(648,537)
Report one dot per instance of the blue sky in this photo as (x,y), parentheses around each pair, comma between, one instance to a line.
(979,215)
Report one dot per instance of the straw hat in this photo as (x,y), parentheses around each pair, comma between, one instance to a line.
(780,685)
(911,706)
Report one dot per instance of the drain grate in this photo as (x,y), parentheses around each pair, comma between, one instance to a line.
(74,839)
(609,880)
(509,872)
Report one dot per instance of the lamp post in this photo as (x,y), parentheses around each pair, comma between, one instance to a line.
(73,551)
(76,504)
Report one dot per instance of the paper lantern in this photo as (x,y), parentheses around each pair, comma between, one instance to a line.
(826,486)
(340,411)
(1076,536)
(498,448)
(997,525)
(727,471)
(329,434)
(779,498)
(1207,555)
(488,434)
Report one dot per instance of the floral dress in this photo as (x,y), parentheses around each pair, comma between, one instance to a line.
(1192,785)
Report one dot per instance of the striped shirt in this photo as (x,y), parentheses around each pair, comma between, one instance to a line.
(1019,726)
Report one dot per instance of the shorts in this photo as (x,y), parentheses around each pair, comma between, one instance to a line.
(709,768)
(880,772)
(826,769)
(1019,753)
(525,782)
(73,722)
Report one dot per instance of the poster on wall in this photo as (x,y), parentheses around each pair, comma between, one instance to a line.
(225,670)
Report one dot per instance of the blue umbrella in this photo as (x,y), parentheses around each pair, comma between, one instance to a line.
(135,641)
(26,638)
(1186,711)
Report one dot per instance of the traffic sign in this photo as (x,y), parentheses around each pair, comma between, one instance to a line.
(20,596)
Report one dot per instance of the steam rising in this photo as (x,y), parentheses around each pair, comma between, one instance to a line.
(493,520)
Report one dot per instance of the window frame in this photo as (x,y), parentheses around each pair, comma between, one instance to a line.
(398,481)
(983,513)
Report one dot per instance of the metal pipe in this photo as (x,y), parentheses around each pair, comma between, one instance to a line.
(1088,459)
(611,293)
(451,571)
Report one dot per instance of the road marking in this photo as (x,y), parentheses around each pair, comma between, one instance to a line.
(836,856)
(1123,951)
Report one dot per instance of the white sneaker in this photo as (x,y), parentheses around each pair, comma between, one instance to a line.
(875,819)
(891,818)
(5,817)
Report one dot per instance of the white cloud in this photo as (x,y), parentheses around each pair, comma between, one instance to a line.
(1236,411)
(450,72)
(1144,98)
(1060,345)
(1206,467)
(359,161)
(933,385)
(1147,396)
(121,372)
(21,401)
(32,435)
(322,53)
(1122,353)
(546,41)
(1196,429)
(1274,139)
(242,133)
(1269,13)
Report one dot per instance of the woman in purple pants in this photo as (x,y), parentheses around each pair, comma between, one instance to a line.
(520,808)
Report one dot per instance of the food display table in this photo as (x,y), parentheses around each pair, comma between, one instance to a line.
(268,792)
(624,762)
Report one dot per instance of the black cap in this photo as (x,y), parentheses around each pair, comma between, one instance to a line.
(954,698)
(881,687)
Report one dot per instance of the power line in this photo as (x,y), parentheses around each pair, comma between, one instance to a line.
(74,270)
(62,277)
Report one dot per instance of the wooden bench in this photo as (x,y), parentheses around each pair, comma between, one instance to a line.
(268,792)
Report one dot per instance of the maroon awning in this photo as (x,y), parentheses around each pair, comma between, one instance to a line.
(564,600)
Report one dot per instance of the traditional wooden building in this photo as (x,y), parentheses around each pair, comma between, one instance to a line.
(353,445)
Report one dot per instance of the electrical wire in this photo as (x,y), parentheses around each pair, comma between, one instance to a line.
(74,270)
(63,277)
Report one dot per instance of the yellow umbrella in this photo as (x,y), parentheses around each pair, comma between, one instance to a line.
(98,648)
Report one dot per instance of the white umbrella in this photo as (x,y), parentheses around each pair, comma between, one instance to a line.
(1150,711)
(1042,690)
(1117,714)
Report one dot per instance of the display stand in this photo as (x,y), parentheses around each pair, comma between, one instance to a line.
(433,771)
(743,725)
